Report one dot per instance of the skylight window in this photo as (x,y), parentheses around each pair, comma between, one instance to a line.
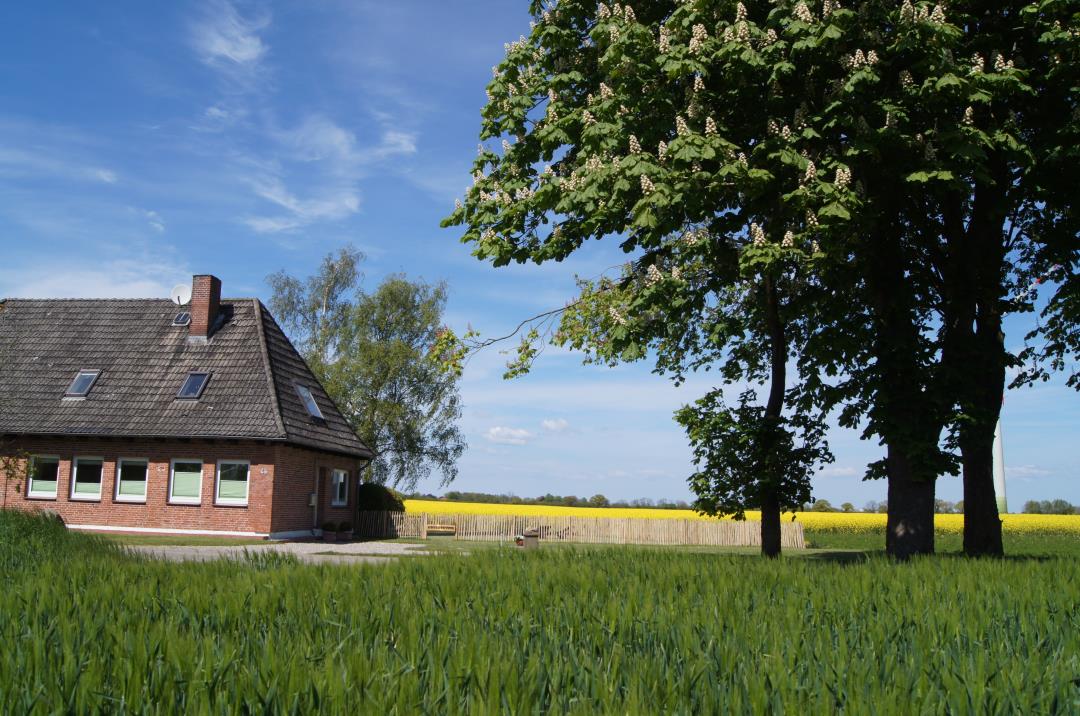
(81,385)
(193,386)
(182,319)
(309,402)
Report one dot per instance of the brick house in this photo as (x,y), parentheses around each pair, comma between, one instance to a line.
(140,416)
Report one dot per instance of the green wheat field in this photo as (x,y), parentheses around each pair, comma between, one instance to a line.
(88,628)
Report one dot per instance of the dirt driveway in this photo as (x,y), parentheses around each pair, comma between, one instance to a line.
(313,552)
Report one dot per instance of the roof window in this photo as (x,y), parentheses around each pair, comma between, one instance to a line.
(182,319)
(309,402)
(83,382)
(193,386)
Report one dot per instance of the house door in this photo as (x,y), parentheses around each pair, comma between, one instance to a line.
(320,489)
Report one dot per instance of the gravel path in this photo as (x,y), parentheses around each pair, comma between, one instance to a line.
(313,552)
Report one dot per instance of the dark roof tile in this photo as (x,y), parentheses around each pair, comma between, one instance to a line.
(144,360)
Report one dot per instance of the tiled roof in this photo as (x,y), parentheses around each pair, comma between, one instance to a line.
(144,360)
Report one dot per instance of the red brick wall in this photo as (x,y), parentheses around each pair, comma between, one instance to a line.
(297,469)
(280,480)
(205,303)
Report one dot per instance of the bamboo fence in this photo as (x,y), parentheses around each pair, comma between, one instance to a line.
(593,530)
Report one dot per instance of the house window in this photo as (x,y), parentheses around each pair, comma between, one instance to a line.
(185,482)
(339,481)
(193,386)
(131,480)
(309,402)
(232,482)
(86,478)
(82,383)
(44,474)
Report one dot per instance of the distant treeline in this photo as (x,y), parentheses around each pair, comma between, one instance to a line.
(557,500)
(1050,507)
(941,507)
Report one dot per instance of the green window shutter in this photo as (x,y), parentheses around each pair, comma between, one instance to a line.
(88,477)
(40,486)
(187,479)
(133,488)
(232,484)
(132,479)
(44,475)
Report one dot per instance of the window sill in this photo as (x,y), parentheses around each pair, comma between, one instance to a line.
(182,503)
(339,504)
(230,504)
(129,501)
(75,498)
(49,498)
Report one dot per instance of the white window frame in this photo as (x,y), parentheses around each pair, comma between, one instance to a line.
(146,481)
(172,471)
(344,475)
(232,501)
(30,493)
(72,495)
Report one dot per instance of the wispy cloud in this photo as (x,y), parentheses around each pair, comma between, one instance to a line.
(508,436)
(1025,472)
(229,41)
(155,221)
(839,471)
(43,162)
(120,278)
(329,161)
(303,172)
(556,425)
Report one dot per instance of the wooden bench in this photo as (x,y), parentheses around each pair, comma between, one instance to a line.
(444,530)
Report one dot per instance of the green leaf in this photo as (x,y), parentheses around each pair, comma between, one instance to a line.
(834,209)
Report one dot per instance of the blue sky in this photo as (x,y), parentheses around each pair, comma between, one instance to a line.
(143,142)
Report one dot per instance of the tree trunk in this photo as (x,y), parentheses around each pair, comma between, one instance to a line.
(910,526)
(906,414)
(982,404)
(982,524)
(978,354)
(770,503)
(770,526)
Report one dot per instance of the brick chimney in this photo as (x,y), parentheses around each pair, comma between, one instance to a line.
(205,302)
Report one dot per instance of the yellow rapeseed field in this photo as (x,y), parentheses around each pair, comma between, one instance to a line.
(854,522)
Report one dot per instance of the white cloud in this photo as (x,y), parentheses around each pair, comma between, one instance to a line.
(395,142)
(318,138)
(23,162)
(1025,472)
(329,160)
(155,221)
(225,39)
(507,436)
(121,278)
(556,425)
(839,471)
(337,202)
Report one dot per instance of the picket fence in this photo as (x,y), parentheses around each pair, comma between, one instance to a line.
(594,530)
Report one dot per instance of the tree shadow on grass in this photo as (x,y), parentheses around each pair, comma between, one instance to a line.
(864,556)
(838,556)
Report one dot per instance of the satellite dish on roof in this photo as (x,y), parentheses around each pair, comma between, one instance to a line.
(181,294)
